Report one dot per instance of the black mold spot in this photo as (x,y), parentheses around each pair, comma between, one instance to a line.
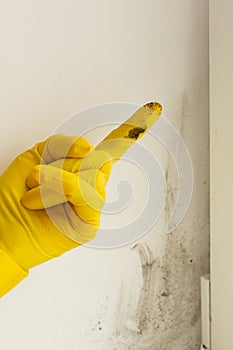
(134,133)
(150,104)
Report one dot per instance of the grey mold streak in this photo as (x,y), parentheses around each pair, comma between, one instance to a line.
(167,313)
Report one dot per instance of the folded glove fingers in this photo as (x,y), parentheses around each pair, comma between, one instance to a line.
(62,146)
(89,214)
(71,224)
(88,187)
(96,179)
(93,160)
(42,197)
(31,182)
(97,159)
(69,164)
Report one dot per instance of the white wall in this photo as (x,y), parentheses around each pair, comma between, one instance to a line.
(221,125)
(58,57)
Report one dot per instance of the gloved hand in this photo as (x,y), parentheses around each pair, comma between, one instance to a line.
(52,195)
(51,201)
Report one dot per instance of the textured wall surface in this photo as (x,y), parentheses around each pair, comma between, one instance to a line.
(62,56)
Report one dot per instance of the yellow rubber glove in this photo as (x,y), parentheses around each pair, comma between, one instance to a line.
(30,235)
(52,195)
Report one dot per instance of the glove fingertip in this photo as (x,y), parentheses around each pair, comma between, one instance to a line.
(80,148)
(30,204)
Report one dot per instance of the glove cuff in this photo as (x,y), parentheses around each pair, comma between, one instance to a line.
(10,273)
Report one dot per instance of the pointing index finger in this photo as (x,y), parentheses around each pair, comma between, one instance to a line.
(118,141)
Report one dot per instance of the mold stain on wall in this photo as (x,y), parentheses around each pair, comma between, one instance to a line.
(166,314)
